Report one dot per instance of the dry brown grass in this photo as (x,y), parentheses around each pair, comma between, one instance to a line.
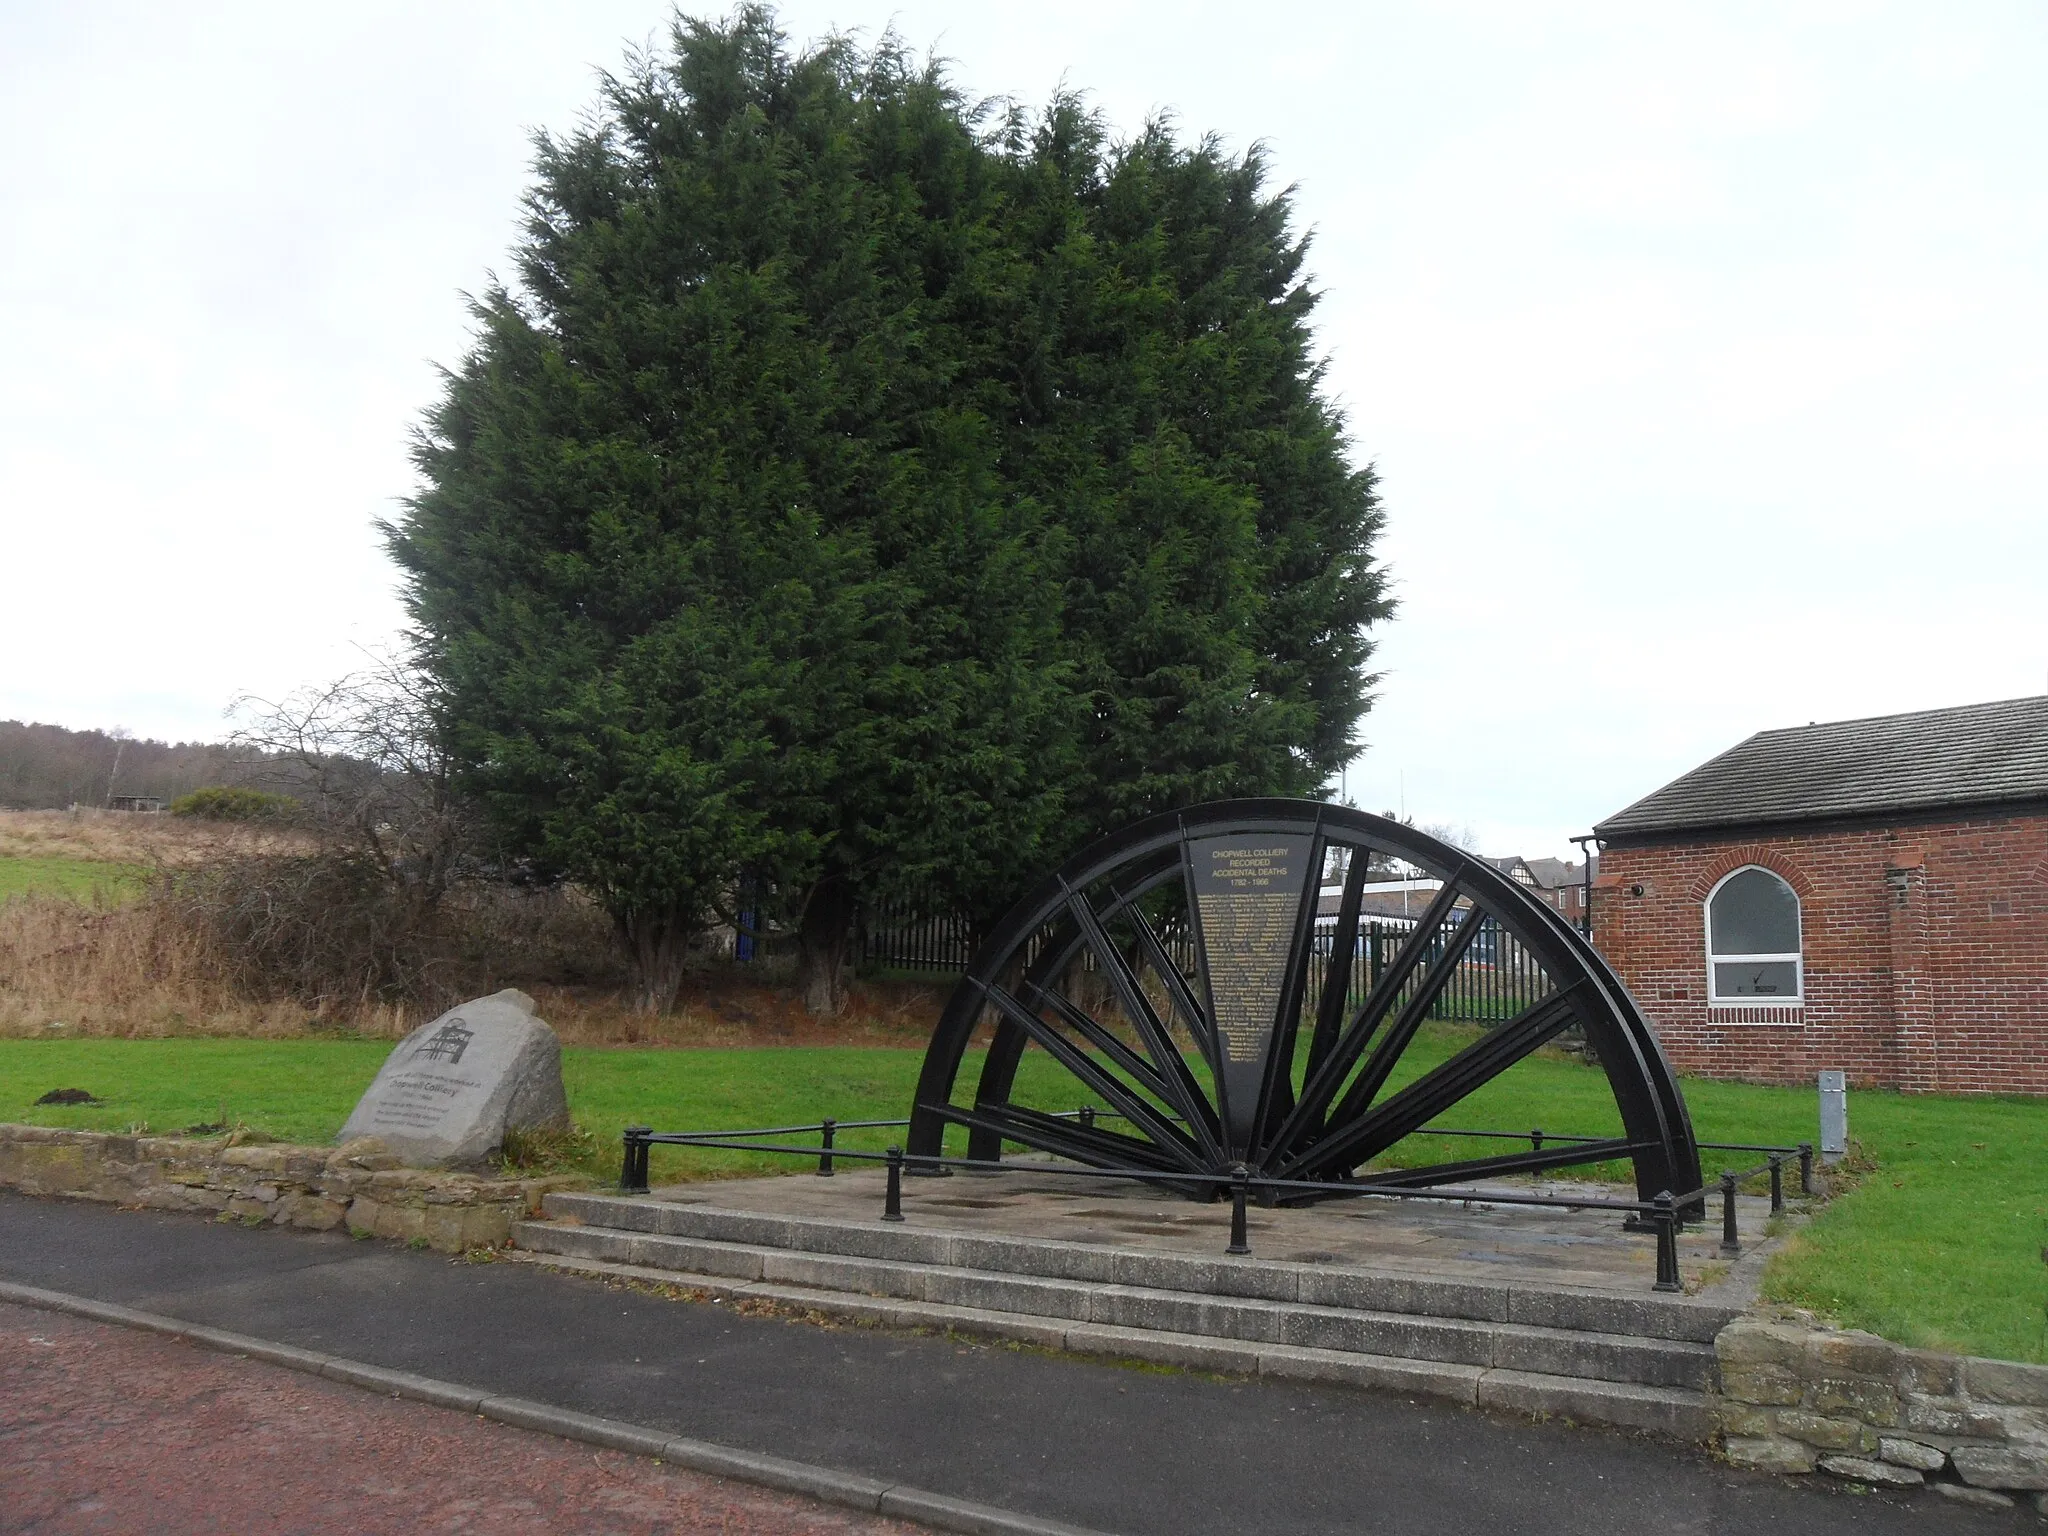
(128,970)
(145,968)
(138,971)
(117,837)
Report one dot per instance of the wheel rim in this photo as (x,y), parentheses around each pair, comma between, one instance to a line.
(1231,1023)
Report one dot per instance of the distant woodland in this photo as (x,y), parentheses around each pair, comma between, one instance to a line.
(46,767)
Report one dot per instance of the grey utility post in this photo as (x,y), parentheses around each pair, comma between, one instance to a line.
(1834,1116)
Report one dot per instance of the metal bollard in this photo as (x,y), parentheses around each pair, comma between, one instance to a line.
(1731,1240)
(892,1202)
(826,1128)
(1834,1116)
(1665,1215)
(1777,1183)
(1806,1168)
(1240,1189)
(633,1165)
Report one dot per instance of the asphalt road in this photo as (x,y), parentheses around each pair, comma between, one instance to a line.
(1138,1451)
(113,1430)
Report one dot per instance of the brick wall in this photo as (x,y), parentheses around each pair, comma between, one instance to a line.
(1926,950)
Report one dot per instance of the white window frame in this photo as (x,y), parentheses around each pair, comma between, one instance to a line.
(1797,957)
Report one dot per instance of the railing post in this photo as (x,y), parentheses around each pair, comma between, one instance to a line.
(1536,1140)
(892,1202)
(826,1129)
(1087,1117)
(633,1165)
(1240,1189)
(1806,1168)
(1731,1240)
(1665,1215)
(1777,1182)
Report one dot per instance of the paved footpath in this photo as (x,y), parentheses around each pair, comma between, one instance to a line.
(110,1430)
(1149,1453)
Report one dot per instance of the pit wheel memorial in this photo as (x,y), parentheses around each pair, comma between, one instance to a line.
(1227,1026)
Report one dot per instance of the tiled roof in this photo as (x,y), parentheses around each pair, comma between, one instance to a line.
(1548,874)
(1551,873)
(1977,754)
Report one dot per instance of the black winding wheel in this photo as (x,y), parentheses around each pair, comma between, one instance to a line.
(1189,974)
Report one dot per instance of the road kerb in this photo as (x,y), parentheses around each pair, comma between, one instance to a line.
(827,1484)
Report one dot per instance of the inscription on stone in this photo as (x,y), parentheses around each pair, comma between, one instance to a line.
(1248,895)
(453,1087)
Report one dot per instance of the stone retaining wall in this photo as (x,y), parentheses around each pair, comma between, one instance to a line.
(1796,1397)
(358,1185)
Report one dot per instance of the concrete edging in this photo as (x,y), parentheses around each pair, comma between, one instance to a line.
(825,1484)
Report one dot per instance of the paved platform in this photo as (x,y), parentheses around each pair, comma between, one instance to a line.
(1536,1309)
(1439,1240)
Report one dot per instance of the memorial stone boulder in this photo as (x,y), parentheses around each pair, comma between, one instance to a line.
(453,1087)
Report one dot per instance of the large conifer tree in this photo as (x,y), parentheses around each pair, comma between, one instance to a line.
(860,495)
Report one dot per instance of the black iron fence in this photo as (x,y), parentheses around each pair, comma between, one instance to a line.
(915,936)
(1664,1216)
(1496,979)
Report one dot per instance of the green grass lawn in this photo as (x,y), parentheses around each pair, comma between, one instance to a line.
(77,878)
(1940,1245)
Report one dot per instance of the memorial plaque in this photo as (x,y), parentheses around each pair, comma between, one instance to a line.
(452,1088)
(1248,894)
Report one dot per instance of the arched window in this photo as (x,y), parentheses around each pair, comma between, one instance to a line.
(1753,940)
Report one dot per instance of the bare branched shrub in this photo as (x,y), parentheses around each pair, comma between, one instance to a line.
(395,897)
(333,932)
(367,758)
(327,929)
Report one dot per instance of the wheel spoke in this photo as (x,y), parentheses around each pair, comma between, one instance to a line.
(1138,1009)
(1053,959)
(1179,1092)
(1436,1090)
(1168,1136)
(1566,1155)
(1082,1144)
(1099,1035)
(1324,1082)
(1276,1088)
(1380,1065)
(1176,984)
(1207,1128)
(1337,978)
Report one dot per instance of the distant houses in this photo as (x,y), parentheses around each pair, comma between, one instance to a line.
(1556,882)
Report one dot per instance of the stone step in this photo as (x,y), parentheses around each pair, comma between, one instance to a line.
(1675,1411)
(1645,1315)
(1481,1344)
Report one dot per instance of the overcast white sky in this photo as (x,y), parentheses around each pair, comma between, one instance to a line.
(1703,350)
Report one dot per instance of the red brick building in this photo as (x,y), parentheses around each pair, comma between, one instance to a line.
(1870,895)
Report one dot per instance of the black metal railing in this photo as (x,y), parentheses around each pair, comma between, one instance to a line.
(915,936)
(1664,1215)
(1495,980)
